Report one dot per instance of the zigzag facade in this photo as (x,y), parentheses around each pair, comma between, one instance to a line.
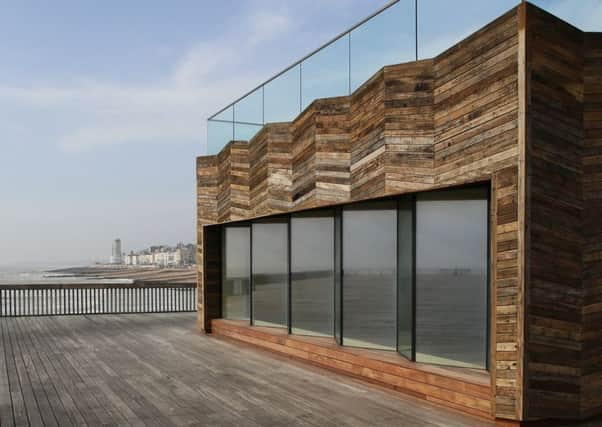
(518,106)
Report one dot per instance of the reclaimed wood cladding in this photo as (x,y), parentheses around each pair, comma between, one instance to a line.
(207,183)
(233,181)
(446,121)
(506,360)
(409,127)
(476,138)
(270,170)
(516,104)
(321,153)
(554,184)
(591,380)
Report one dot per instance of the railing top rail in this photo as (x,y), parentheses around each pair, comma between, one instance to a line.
(310,54)
(135,284)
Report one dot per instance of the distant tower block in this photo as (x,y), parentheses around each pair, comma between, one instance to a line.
(116,253)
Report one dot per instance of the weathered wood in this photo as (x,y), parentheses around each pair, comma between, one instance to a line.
(156,370)
(591,379)
(516,105)
(455,388)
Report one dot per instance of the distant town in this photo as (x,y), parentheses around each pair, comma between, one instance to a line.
(180,255)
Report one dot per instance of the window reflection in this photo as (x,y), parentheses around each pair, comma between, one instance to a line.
(270,272)
(312,276)
(451,278)
(409,274)
(236,272)
(369,275)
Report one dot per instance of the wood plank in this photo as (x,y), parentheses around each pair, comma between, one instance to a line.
(407,377)
(30,410)
(6,406)
(51,408)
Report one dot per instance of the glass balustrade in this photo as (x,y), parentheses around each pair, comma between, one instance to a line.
(402,31)
(336,69)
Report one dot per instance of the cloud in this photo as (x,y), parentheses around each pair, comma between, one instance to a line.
(90,113)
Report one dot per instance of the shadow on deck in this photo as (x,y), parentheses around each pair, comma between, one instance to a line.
(155,369)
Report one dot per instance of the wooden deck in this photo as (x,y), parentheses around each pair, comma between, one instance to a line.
(156,369)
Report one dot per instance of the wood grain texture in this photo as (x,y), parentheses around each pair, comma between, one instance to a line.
(155,370)
(321,153)
(506,360)
(516,104)
(553,330)
(207,182)
(233,181)
(270,170)
(447,121)
(457,388)
(591,380)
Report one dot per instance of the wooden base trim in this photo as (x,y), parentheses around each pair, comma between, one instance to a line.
(464,390)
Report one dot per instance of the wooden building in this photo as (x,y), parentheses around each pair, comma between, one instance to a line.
(514,111)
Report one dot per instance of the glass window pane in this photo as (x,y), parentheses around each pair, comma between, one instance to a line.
(282,97)
(236,270)
(270,272)
(451,278)
(405,271)
(312,276)
(369,275)
(326,73)
(337,275)
(386,39)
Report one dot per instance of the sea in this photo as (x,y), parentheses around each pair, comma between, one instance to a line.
(32,276)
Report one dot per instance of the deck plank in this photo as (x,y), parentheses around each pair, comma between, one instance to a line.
(155,369)
(6,411)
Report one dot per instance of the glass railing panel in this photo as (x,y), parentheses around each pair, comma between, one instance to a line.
(437,32)
(218,135)
(326,73)
(249,110)
(282,97)
(248,115)
(386,39)
(245,132)
(225,116)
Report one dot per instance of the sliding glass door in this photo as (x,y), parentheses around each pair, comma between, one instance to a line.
(236,272)
(312,275)
(369,275)
(451,277)
(270,272)
(408,274)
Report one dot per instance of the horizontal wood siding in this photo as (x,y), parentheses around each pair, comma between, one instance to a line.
(506,357)
(207,183)
(233,195)
(409,127)
(476,106)
(423,125)
(554,178)
(476,138)
(516,104)
(591,381)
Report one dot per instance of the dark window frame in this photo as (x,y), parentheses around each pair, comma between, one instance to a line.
(337,213)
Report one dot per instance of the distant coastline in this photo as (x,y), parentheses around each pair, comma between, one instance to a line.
(100,274)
